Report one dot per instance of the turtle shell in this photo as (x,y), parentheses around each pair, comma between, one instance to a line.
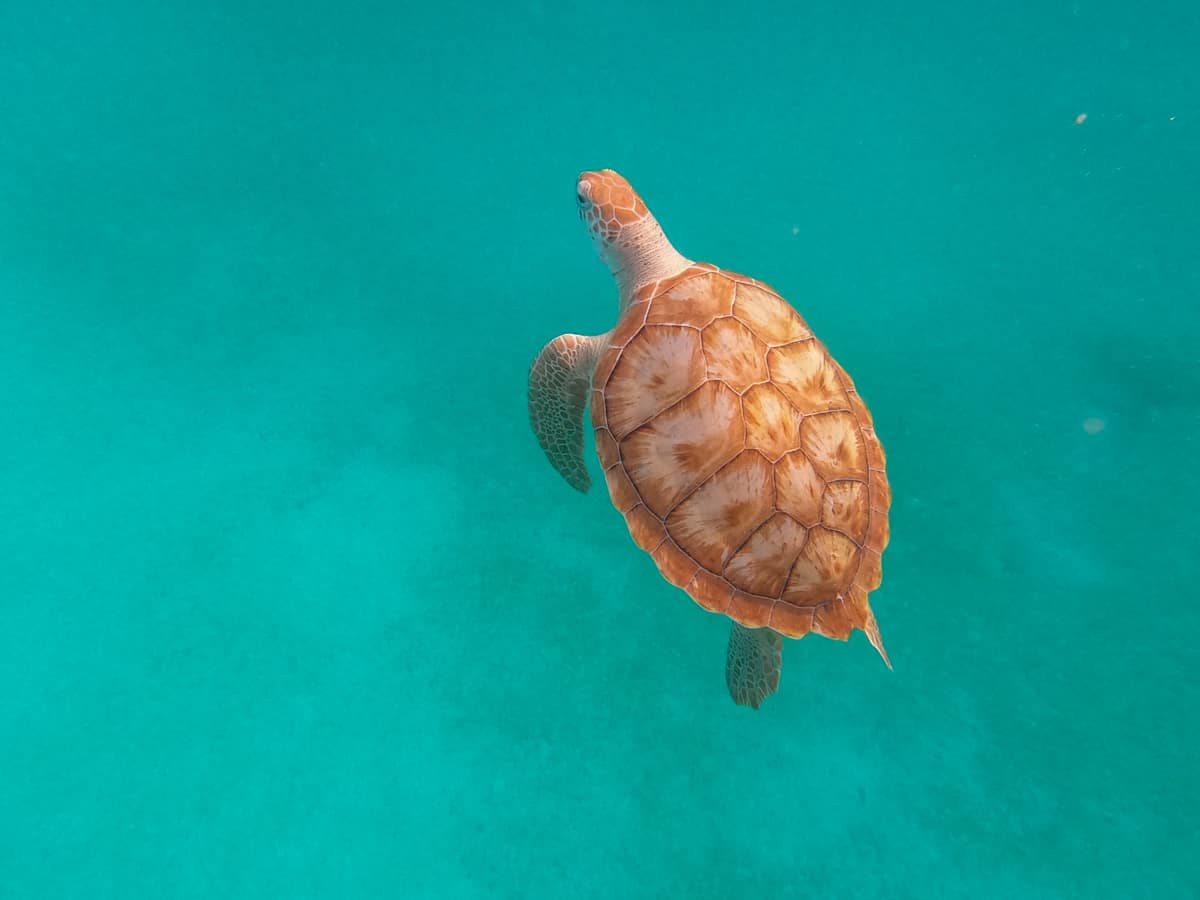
(743,459)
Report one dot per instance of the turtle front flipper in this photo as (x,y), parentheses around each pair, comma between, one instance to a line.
(559,381)
(753,665)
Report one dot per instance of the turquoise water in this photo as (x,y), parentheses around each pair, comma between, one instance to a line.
(292,606)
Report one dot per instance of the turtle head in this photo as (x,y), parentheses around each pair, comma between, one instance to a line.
(607,204)
(627,236)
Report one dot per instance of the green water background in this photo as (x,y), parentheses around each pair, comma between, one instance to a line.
(292,606)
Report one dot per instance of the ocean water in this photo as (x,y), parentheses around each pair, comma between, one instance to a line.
(291,605)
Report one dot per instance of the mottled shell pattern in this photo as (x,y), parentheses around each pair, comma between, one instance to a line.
(743,459)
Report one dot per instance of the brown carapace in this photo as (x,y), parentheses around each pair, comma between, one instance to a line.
(742,457)
(739,452)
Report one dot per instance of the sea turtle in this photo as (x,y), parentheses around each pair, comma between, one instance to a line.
(740,453)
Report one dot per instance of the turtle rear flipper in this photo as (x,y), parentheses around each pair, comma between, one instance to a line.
(753,665)
(559,380)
